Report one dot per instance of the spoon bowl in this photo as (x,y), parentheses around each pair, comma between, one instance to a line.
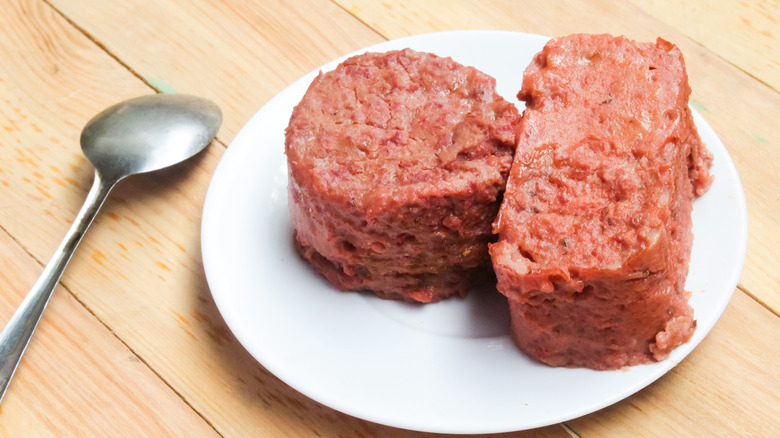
(149,133)
(135,136)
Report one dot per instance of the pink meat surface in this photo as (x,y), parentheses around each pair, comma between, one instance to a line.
(397,161)
(595,226)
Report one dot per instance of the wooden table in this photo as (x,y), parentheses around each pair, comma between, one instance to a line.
(132,343)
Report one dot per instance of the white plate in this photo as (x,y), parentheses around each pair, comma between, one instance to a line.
(447,367)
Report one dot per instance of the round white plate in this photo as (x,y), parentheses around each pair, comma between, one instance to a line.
(447,367)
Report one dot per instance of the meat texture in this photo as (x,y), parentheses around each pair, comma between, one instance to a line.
(595,226)
(396,162)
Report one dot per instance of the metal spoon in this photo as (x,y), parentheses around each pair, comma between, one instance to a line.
(135,136)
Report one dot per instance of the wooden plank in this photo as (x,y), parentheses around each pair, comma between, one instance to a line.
(147,240)
(744,33)
(741,120)
(238,53)
(77,378)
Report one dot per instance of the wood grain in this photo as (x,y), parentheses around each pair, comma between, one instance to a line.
(75,365)
(745,33)
(237,53)
(139,270)
(74,361)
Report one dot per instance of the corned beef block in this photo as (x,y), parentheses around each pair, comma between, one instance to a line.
(595,226)
(396,162)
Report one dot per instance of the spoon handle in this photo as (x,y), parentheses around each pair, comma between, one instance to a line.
(19,330)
